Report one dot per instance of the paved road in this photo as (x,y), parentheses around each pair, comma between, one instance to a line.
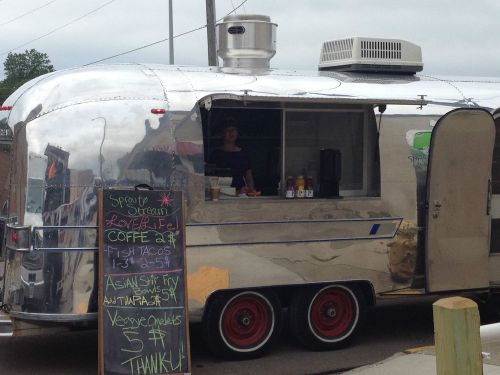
(390,328)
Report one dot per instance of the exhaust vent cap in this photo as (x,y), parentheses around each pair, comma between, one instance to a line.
(246,41)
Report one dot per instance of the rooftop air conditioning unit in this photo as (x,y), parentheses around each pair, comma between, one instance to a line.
(359,54)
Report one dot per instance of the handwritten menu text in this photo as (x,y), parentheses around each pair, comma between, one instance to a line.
(143,324)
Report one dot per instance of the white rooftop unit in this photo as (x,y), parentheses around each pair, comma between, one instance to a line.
(371,55)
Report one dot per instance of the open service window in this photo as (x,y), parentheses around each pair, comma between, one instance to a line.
(332,148)
(258,136)
(336,148)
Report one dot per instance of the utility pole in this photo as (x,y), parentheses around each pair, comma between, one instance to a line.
(211,38)
(170,32)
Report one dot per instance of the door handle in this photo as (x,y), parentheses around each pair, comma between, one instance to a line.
(436,208)
(488,201)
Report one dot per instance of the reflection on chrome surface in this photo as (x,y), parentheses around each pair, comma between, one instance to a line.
(71,154)
(79,130)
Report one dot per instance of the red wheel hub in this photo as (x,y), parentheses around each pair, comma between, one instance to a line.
(332,313)
(246,321)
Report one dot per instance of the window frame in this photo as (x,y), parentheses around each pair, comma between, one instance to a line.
(363,192)
(370,134)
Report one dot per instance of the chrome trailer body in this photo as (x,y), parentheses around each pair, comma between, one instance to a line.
(78,130)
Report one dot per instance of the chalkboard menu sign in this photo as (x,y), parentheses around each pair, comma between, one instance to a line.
(143,326)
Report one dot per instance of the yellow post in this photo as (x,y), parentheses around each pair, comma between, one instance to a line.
(456,333)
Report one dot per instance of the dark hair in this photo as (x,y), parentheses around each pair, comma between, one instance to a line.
(230,122)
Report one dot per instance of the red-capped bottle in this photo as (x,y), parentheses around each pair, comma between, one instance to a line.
(290,188)
(309,187)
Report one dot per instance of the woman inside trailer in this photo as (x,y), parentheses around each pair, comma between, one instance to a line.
(234,158)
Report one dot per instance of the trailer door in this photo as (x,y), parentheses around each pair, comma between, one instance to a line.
(458,197)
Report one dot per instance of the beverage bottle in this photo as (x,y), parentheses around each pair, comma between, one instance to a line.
(309,187)
(290,188)
(300,191)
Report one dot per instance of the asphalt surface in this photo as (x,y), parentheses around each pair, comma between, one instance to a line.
(391,327)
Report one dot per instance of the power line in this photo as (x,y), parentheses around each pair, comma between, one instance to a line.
(162,40)
(60,27)
(234,10)
(27,13)
(146,46)
(232,4)
(241,5)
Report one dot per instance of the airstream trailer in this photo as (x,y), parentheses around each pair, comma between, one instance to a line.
(399,166)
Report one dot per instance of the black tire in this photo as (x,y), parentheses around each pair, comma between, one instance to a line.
(241,325)
(489,308)
(326,318)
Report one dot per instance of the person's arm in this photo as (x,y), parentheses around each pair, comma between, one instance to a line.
(249,180)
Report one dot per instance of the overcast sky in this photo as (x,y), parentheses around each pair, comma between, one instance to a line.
(458,37)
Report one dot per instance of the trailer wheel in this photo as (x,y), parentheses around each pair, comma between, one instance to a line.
(242,325)
(326,318)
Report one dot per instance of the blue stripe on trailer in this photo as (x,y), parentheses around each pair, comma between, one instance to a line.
(374,229)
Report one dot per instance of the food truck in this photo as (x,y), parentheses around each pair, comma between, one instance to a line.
(399,172)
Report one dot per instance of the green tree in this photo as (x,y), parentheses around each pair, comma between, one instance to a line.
(20,68)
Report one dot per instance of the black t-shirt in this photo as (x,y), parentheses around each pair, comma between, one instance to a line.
(237,161)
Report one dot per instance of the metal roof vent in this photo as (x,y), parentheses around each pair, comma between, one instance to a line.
(371,55)
(246,41)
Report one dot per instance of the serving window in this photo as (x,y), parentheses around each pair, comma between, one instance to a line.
(333,149)
(307,133)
